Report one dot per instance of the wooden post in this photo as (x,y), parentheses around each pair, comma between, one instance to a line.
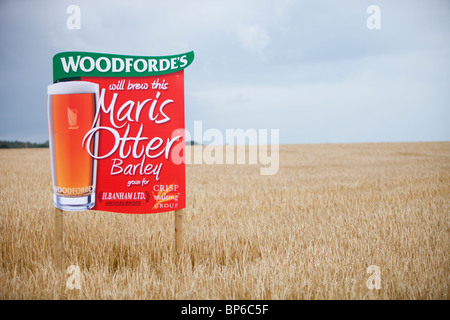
(58,241)
(178,232)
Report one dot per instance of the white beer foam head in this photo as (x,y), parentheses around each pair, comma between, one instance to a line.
(71,87)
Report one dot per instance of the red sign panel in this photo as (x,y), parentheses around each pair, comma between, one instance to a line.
(139,126)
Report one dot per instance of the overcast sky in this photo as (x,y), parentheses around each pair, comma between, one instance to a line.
(312,69)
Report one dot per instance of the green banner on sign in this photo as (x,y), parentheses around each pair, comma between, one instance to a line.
(69,65)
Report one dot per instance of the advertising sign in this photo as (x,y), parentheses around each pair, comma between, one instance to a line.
(116,132)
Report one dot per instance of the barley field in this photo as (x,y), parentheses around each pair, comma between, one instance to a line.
(311,231)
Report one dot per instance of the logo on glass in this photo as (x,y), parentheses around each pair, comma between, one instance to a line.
(72,118)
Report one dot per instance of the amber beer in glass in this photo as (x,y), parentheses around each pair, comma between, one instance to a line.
(71,110)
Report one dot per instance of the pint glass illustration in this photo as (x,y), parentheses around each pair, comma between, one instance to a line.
(71,110)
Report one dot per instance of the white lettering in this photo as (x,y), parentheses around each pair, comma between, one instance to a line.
(83,66)
(128,64)
(98,66)
(115,67)
(105,64)
(136,65)
(71,65)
